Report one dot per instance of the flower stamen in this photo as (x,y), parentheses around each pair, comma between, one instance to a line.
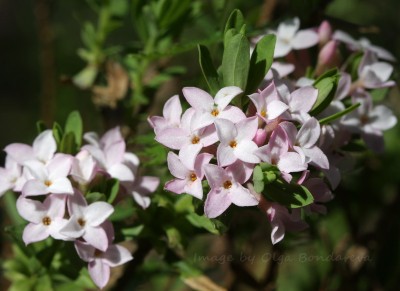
(46,220)
(227,184)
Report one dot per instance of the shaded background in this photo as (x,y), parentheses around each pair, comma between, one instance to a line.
(39,40)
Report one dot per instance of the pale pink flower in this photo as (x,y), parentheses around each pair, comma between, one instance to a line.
(277,153)
(226,188)
(185,137)
(86,220)
(362,44)
(289,37)
(305,141)
(141,189)
(369,121)
(236,141)
(45,219)
(49,178)
(109,152)
(188,172)
(100,262)
(84,168)
(171,115)
(267,103)
(43,149)
(208,109)
(300,103)
(11,176)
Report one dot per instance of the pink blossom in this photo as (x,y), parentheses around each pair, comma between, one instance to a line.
(43,149)
(369,121)
(142,187)
(45,219)
(50,178)
(171,115)
(305,141)
(209,109)
(300,103)
(226,188)
(11,176)
(188,172)
(268,104)
(86,220)
(289,37)
(276,152)
(185,136)
(236,141)
(100,262)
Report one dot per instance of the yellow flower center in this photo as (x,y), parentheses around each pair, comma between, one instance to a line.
(227,184)
(263,113)
(48,183)
(195,139)
(193,177)
(46,220)
(214,112)
(81,222)
(233,144)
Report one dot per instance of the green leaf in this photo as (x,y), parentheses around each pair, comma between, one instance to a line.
(326,85)
(122,211)
(379,94)
(202,221)
(94,197)
(209,72)
(112,186)
(236,61)
(174,237)
(74,125)
(260,62)
(68,144)
(184,204)
(235,21)
(132,231)
(57,133)
(339,114)
(40,126)
(258,186)
(289,195)
(258,174)
(186,270)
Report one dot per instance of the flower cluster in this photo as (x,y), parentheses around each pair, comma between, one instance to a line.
(54,187)
(282,131)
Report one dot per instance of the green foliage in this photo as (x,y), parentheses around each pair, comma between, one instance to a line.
(260,62)
(326,85)
(209,72)
(337,115)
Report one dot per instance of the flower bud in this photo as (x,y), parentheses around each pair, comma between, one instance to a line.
(260,137)
(324,32)
(327,57)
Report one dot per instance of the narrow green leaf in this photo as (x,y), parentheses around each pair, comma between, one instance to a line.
(112,190)
(209,72)
(68,144)
(202,221)
(339,114)
(132,231)
(235,61)
(74,124)
(235,21)
(289,195)
(40,126)
(95,197)
(260,62)
(57,133)
(326,85)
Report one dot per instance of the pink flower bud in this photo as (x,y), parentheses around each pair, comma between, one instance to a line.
(324,32)
(327,57)
(260,137)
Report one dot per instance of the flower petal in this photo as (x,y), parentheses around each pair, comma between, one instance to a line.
(304,39)
(97,237)
(309,133)
(34,233)
(241,196)
(197,98)
(225,96)
(99,272)
(176,167)
(216,203)
(116,255)
(44,146)
(97,212)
